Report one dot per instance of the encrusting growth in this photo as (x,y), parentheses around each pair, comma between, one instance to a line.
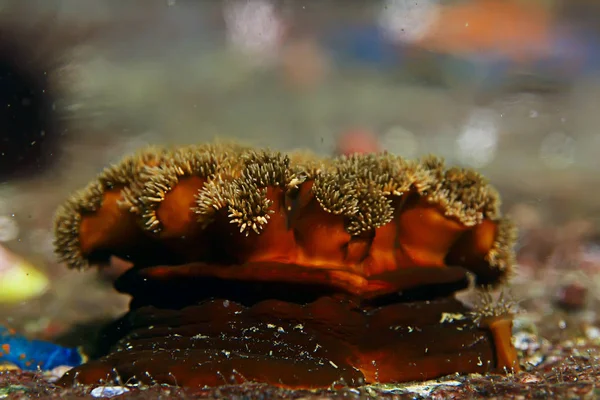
(99,217)
(371,240)
(184,173)
(179,192)
(68,222)
(463,193)
(501,255)
(129,168)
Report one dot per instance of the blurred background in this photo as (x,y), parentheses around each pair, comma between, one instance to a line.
(511,87)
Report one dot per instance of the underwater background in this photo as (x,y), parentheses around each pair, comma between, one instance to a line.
(509,87)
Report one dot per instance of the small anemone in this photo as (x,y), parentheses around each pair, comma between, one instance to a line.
(246,203)
(335,194)
(501,255)
(128,169)
(266,168)
(127,174)
(393,174)
(374,210)
(228,155)
(487,306)
(463,193)
(245,197)
(249,206)
(155,182)
(68,220)
(357,187)
(214,196)
(435,165)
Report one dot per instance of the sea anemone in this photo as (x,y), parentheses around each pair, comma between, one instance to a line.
(254,265)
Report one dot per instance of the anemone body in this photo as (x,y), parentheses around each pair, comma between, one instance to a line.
(348,248)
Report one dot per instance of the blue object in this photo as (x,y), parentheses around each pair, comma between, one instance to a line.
(31,355)
(361,44)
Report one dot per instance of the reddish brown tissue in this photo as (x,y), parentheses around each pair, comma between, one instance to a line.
(292,270)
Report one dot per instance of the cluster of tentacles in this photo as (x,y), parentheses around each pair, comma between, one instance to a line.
(255,265)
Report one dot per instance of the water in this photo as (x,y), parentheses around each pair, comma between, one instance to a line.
(297,74)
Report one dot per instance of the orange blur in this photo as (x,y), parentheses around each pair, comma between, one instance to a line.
(517,30)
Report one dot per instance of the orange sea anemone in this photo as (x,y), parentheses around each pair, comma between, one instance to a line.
(254,265)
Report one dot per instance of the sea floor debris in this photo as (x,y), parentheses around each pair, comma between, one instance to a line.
(568,369)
